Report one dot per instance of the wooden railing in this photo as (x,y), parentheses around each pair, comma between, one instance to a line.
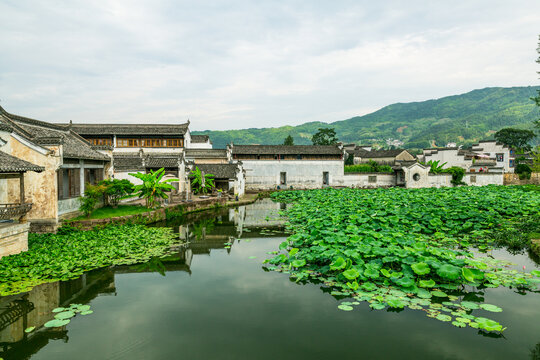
(14,211)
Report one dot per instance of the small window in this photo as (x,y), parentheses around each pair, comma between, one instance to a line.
(416,177)
(511,162)
(473,179)
(500,157)
(326,178)
(282,157)
(298,157)
(372,178)
(283,178)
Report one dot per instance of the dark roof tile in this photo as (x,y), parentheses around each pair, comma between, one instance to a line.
(130,129)
(286,150)
(9,163)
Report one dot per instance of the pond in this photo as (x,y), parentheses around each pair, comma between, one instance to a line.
(210,300)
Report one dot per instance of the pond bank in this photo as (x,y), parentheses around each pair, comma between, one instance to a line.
(165,213)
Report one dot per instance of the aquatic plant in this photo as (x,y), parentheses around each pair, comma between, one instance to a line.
(397,248)
(53,257)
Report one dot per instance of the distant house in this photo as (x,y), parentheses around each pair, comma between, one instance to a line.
(500,152)
(385,157)
(296,166)
(68,160)
(200,142)
(229,178)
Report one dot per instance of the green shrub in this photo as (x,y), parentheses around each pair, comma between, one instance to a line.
(372,166)
(116,190)
(524,171)
(92,194)
(457,175)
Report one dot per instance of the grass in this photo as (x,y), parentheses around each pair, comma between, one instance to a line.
(109,212)
(367,168)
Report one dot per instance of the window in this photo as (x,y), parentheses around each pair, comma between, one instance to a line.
(282,157)
(69,183)
(511,162)
(101,141)
(372,178)
(416,177)
(473,179)
(325,178)
(149,142)
(283,178)
(298,157)
(500,157)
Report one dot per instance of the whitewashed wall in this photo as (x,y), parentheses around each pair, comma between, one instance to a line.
(301,174)
(450,157)
(439,180)
(361,180)
(482,179)
(492,149)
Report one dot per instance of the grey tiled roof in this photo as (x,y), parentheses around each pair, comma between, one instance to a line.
(220,171)
(199,138)
(9,163)
(374,154)
(43,133)
(140,162)
(206,153)
(286,150)
(130,129)
(128,162)
(161,162)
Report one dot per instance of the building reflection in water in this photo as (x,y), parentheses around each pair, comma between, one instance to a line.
(200,235)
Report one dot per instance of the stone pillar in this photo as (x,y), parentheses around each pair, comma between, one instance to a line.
(81,176)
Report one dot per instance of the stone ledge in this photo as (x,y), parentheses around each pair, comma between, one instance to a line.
(13,238)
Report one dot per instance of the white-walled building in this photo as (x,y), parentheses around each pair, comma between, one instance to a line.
(500,152)
(298,166)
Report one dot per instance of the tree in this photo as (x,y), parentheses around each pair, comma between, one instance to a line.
(289,140)
(152,188)
(88,202)
(536,99)
(515,138)
(116,189)
(202,183)
(325,136)
(350,160)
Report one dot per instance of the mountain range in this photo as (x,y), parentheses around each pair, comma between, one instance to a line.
(463,119)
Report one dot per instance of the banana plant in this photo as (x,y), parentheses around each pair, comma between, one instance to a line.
(202,183)
(152,188)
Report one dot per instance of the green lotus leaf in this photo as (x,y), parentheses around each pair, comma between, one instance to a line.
(377,306)
(459,324)
(404,281)
(338,264)
(420,268)
(449,272)
(371,273)
(536,273)
(64,315)
(293,251)
(488,324)
(58,309)
(438,293)
(423,294)
(442,317)
(426,283)
(469,305)
(351,274)
(87,312)
(369,286)
(56,323)
(353,285)
(473,325)
(463,320)
(396,303)
(29,329)
(467,274)
(298,263)
(489,307)
(345,307)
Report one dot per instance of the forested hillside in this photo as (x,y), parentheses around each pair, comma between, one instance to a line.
(463,119)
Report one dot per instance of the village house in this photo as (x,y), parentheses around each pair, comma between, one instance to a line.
(68,161)
(382,157)
(501,153)
(295,166)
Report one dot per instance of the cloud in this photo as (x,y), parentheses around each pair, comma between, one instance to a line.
(240,64)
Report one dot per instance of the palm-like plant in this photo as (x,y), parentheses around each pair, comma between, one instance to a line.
(434,166)
(152,188)
(202,183)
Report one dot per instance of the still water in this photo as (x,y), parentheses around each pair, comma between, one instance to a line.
(205,301)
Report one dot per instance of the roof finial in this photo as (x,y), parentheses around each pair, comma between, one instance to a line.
(70,124)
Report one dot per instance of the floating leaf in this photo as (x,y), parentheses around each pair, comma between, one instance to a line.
(467,274)
(489,307)
(58,309)
(420,268)
(459,324)
(345,307)
(87,312)
(252,257)
(29,329)
(469,305)
(369,286)
(395,303)
(427,283)
(449,272)
(56,323)
(377,306)
(298,263)
(442,317)
(371,273)
(351,274)
(64,315)
(438,293)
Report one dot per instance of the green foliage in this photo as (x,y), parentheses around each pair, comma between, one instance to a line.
(92,194)
(515,138)
(53,257)
(371,166)
(524,171)
(324,136)
(457,175)
(153,189)
(434,166)
(464,118)
(288,140)
(200,183)
(350,160)
(402,248)
(116,189)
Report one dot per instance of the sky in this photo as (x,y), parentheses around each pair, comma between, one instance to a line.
(242,64)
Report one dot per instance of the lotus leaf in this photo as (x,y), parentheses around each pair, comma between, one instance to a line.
(489,307)
(298,263)
(459,324)
(56,323)
(29,329)
(469,305)
(467,274)
(438,293)
(338,264)
(369,286)
(59,309)
(420,268)
(395,303)
(87,312)
(371,273)
(345,307)
(64,315)
(442,317)
(426,283)
(351,274)
(488,324)
(449,272)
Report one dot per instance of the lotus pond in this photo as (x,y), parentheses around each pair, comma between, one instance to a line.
(215,299)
